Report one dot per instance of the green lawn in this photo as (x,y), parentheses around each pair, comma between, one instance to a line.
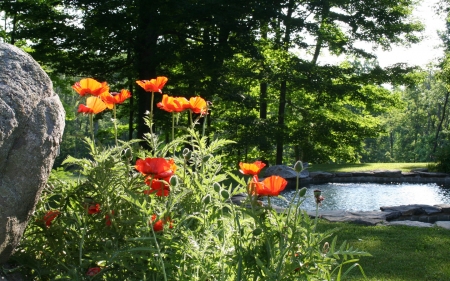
(405,167)
(399,253)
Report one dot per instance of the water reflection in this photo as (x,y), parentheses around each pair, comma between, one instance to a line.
(371,196)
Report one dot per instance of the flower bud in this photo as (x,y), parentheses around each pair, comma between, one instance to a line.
(187,154)
(302,192)
(173,181)
(298,167)
(207,199)
(216,187)
(225,194)
(257,232)
(127,153)
(206,158)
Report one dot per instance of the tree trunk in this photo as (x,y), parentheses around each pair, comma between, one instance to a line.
(325,11)
(440,123)
(146,56)
(280,135)
(282,98)
(263,100)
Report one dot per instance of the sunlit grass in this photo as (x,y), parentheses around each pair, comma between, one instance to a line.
(399,253)
(404,167)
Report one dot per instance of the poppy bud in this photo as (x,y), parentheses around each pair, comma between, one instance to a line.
(225,194)
(206,158)
(216,187)
(298,167)
(127,153)
(257,232)
(302,192)
(173,181)
(207,199)
(187,154)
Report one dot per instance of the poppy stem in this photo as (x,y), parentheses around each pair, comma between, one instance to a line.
(91,126)
(115,124)
(173,131)
(151,114)
(204,125)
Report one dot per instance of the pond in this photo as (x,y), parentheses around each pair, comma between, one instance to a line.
(370,196)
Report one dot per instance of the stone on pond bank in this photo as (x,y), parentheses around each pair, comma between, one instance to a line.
(31,128)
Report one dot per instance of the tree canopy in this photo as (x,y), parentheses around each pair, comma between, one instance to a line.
(257,61)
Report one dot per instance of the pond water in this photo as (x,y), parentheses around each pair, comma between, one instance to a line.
(370,196)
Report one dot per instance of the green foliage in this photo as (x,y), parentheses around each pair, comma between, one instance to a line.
(443,160)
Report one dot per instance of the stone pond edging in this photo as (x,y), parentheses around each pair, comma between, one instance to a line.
(378,176)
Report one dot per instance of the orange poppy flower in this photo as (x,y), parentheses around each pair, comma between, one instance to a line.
(198,105)
(271,186)
(50,216)
(159,224)
(93,105)
(108,218)
(89,86)
(94,209)
(153,85)
(251,168)
(158,168)
(115,98)
(92,271)
(173,104)
(157,187)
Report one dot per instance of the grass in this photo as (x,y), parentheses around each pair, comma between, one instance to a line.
(404,167)
(399,253)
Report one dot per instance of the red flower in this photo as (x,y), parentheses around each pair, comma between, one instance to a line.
(92,271)
(153,85)
(159,224)
(93,105)
(271,186)
(158,187)
(50,216)
(173,104)
(251,168)
(158,168)
(90,86)
(198,105)
(108,218)
(115,98)
(94,209)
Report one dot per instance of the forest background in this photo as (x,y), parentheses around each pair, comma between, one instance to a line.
(259,63)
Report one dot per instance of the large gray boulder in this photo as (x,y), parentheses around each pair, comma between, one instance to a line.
(31,128)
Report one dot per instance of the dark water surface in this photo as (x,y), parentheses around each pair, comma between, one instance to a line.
(370,196)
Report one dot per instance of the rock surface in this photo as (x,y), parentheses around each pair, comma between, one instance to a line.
(285,171)
(31,128)
(379,176)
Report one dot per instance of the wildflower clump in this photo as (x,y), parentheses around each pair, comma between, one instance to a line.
(169,212)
